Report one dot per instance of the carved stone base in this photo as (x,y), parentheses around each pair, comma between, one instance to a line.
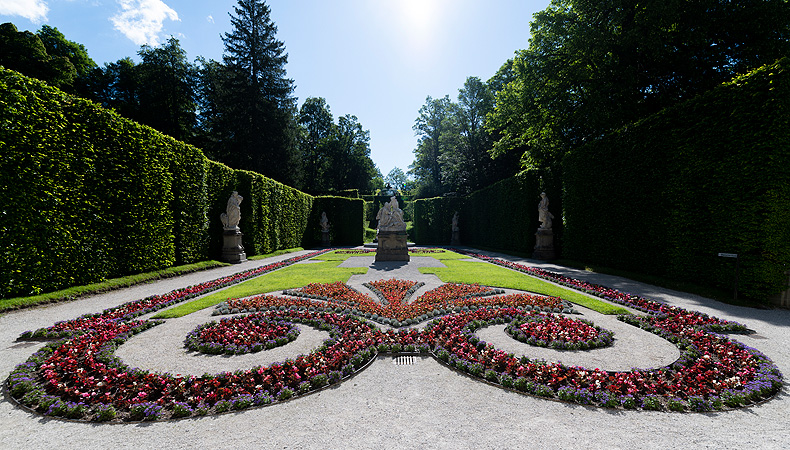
(544,245)
(392,246)
(456,239)
(232,249)
(325,239)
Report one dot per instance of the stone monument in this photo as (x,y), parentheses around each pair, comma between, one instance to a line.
(544,238)
(324,230)
(232,248)
(456,236)
(391,233)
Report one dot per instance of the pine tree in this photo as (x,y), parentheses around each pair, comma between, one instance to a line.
(258,102)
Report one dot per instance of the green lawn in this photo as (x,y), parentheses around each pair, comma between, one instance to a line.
(490,275)
(76,292)
(290,277)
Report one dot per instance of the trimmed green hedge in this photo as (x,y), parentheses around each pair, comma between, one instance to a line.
(87,195)
(433,219)
(346,220)
(666,195)
(503,216)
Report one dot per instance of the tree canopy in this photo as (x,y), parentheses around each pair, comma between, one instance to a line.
(594,66)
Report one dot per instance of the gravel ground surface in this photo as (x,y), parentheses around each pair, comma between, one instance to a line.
(418,405)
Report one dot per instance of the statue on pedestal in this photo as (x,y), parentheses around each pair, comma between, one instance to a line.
(324,230)
(324,223)
(391,233)
(544,216)
(232,248)
(544,238)
(455,239)
(390,217)
(232,215)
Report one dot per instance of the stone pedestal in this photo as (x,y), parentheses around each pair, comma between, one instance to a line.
(232,249)
(392,246)
(456,239)
(544,245)
(325,239)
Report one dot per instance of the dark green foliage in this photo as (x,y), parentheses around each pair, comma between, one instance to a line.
(345,217)
(433,219)
(25,52)
(505,215)
(88,195)
(712,175)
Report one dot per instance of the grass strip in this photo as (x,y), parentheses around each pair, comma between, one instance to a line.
(76,292)
(112,284)
(490,275)
(290,277)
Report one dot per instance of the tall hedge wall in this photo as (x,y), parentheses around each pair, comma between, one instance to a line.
(433,219)
(503,216)
(346,219)
(86,195)
(711,175)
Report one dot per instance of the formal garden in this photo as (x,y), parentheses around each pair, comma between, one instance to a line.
(218,277)
(77,376)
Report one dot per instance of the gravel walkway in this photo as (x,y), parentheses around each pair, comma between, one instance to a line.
(419,405)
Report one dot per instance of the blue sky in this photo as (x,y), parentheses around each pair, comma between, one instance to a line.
(376,59)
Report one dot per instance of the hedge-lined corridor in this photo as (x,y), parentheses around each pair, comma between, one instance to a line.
(663,196)
(88,195)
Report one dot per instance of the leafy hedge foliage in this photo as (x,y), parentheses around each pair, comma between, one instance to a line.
(711,175)
(346,220)
(505,214)
(433,219)
(502,216)
(87,195)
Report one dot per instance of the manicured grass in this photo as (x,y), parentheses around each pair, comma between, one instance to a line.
(290,277)
(76,292)
(490,275)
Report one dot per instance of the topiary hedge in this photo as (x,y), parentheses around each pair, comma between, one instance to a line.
(87,195)
(505,215)
(710,175)
(433,219)
(346,219)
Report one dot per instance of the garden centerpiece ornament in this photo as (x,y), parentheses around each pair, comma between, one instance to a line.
(544,237)
(232,248)
(324,230)
(391,233)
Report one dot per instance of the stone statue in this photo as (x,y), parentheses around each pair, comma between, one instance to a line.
(544,216)
(455,237)
(232,215)
(390,217)
(324,223)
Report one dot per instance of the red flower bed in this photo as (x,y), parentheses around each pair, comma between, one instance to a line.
(239,335)
(78,377)
(547,330)
(445,299)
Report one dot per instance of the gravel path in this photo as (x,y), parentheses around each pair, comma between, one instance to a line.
(420,405)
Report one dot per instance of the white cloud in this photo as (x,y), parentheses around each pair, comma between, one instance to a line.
(141,20)
(210,18)
(33,10)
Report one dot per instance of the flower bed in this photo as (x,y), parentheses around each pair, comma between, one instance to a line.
(713,372)
(240,335)
(557,332)
(393,290)
(445,299)
(78,377)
